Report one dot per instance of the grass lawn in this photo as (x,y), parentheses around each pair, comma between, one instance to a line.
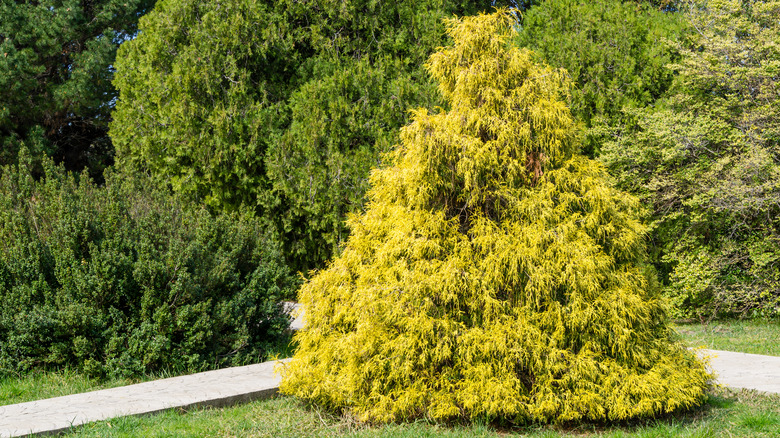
(726,413)
(46,384)
(754,336)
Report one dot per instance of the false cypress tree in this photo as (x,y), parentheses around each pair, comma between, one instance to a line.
(495,274)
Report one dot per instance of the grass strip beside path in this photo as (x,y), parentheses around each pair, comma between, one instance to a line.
(757,336)
(727,413)
(38,385)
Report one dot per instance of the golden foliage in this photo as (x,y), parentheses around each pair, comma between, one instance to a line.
(495,274)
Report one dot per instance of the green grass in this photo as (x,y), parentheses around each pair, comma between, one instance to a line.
(725,414)
(46,384)
(748,336)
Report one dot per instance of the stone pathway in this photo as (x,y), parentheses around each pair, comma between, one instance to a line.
(296,311)
(242,384)
(212,388)
(742,370)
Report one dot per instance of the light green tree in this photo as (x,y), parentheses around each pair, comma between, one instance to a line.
(707,159)
(495,274)
(200,97)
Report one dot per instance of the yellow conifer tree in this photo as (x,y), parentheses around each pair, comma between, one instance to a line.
(495,273)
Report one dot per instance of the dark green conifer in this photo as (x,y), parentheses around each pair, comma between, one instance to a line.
(56,67)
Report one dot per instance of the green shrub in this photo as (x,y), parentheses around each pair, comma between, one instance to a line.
(124,279)
(495,274)
(706,160)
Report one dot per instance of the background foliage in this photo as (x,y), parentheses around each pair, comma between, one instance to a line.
(281,106)
(615,51)
(124,279)
(55,77)
(706,159)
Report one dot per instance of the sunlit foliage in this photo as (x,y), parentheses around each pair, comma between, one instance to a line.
(707,159)
(495,274)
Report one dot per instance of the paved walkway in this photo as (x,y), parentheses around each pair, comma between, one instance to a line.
(212,388)
(241,384)
(742,370)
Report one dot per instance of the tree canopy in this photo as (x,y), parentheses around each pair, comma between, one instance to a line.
(707,159)
(616,52)
(282,107)
(200,93)
(56,67)
(495,274)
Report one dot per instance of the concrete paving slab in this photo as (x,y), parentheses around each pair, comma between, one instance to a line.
(212,388)
(295,310)
(742,370)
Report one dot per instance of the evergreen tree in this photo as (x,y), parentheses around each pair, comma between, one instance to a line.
(495,274)
(56,69)
(615,50)
(707,159)
(279,106)
(201,92)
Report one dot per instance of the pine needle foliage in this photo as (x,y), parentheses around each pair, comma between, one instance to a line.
(495,275)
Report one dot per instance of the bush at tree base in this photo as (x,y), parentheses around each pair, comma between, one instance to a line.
(495,274)
(124,280)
